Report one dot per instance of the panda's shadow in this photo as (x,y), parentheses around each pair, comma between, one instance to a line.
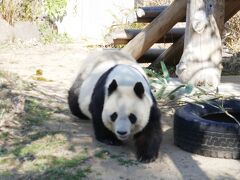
(107,155)
(181,159)
(126,150)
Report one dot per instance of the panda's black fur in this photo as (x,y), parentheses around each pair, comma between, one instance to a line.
(147,141)
(73,98)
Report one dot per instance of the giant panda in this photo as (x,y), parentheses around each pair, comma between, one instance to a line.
(112,90)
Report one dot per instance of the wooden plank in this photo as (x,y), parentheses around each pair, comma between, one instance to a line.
(156,29)
(128,34)
(148,14)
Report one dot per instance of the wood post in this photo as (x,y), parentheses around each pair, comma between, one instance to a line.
(173,54)
(156,29)
(200,63)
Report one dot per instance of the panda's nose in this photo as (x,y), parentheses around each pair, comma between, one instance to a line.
(122,132)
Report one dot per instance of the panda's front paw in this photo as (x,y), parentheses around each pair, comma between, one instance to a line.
(146,158)
(112,142)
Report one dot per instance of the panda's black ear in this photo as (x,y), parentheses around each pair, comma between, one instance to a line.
(139,89)
(112,87)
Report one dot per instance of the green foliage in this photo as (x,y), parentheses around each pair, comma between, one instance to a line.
(55,8)
(165,71)
(50,35)
(7,9)
(26,10)
(159,83)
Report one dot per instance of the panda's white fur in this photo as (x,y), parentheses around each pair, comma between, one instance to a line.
(111,82)
(94,66)
(125,101)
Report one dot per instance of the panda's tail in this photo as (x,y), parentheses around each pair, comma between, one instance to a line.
(74,105)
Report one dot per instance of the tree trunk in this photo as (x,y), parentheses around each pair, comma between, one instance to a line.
(200,63)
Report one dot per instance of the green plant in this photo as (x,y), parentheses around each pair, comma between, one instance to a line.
(50,35)
(158,81)
(55,8)
(7,9)
(13,11)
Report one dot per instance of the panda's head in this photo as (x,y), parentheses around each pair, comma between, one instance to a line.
(126,109)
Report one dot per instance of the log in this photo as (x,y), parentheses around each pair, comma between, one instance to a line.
(231,8)
(170,56)
(128,34)
(200,63)
(156,29)
(148,14)
(173,54)
(150,55)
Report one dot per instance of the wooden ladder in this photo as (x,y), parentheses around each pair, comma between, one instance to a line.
(161,19)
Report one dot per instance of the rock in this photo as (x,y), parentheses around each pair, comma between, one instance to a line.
(6,31)
(26,31)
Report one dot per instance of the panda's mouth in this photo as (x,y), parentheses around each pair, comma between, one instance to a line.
(122,137)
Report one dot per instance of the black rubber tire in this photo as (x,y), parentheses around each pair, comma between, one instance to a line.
(206,137)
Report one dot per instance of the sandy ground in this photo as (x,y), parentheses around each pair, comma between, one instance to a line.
(59,64)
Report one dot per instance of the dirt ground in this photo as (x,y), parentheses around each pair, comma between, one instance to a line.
(52,144)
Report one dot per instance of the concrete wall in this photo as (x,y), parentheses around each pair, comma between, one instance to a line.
(91,19)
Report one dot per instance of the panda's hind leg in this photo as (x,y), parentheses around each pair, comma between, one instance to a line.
(74,105)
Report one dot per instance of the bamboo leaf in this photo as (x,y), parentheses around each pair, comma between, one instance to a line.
(189,88)
(165,71)
(175,90)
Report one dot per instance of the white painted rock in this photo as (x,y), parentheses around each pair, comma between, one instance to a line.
(6,31)
(26,31)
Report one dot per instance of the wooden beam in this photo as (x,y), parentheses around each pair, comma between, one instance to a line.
(128,34)
(156,29)
(231,8)
(148,14)
(150,55)
(170,56)
(173,54)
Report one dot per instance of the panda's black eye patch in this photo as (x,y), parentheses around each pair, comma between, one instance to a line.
(113,116)
(132,118)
